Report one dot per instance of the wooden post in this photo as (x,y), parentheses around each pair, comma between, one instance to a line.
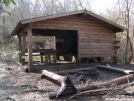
(49,59)
(20,56)
(30,42)
(46,58)
(41,57)
(23,49)
(115,57)
(24,44)
(78,60)
(54,57)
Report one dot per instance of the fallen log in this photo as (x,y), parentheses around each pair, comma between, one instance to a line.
(67,91)
(104,90)
(98,86)
(63,80)
(95,92)
(91,69)
(107,83)
(108,67)
(130,93)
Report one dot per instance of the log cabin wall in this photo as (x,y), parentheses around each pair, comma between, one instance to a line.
(94,39)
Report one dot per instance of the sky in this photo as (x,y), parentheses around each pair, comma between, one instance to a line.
(102,5)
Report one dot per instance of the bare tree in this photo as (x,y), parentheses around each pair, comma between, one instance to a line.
(123,14)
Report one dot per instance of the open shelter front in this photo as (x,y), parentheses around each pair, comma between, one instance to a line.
(65,41)
(81,34)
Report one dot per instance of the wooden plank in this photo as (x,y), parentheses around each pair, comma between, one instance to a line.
(71,21)
(51,17)
(104,31)
(96,32)
(24,30)
(100,34)
(76,25)
(55,27)
(41,58)
(66,72)
(96,44)
(97,37)
(95,47)
(46,59)
(54,57)
(96,55)
(68,27)
(24,44)
(78,57)
(20,48)
(67,22)
(65,19)
(96,41)
(96,50)
(30,43)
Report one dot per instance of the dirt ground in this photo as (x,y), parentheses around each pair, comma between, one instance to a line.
(16,85)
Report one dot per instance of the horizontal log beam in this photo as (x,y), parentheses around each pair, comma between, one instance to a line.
(115,69)
(75,70)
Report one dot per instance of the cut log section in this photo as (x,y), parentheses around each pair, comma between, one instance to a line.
(108,67)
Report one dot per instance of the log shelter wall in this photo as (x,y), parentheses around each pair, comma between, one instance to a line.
(94,39)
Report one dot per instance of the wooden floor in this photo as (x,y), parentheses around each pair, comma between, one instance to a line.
(60,66)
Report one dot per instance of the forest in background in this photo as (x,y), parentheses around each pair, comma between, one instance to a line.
(122,13)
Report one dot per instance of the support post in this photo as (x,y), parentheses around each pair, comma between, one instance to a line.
(46,58)
(23,49)
(78,61)
(30,43)
(20,47)
(115,56)
(115,59)
(41,57)
(24,44)
(54,58)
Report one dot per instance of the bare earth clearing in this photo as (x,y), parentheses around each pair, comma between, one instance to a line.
(16,85)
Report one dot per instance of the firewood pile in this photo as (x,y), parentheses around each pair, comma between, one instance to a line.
(78,81)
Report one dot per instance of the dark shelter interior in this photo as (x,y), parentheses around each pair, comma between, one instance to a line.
(66,42)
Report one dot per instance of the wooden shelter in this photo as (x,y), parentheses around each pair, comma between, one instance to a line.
(80,33)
